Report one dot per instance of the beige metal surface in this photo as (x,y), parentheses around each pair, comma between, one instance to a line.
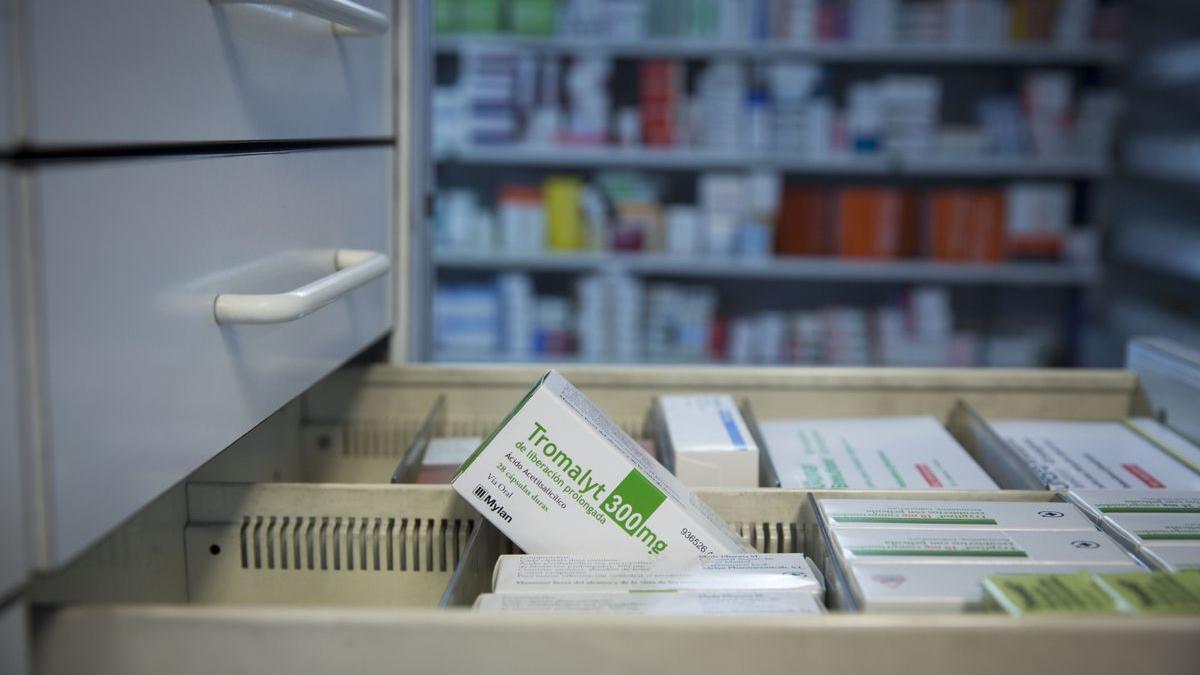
(358,422)
(202,641)
(300,544)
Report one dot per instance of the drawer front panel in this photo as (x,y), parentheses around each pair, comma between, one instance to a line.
(14,559)
(8,82)
(143,384)
(163,71)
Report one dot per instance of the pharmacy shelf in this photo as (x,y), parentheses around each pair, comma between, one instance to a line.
(782,268)
(1000,54)
(704,160)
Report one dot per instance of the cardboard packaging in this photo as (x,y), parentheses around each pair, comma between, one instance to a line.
(1099,503)
(739,572)
(912,514)
(558,476)
(694,603)
(1173,558)
(1100,454)
(709,439)
(914,587)
(1026,594)
(865,546)
(884,452)
(1154,530)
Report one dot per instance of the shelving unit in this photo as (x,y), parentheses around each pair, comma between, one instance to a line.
(1000,54)
(704,160)
(1064,274)
(1050,295)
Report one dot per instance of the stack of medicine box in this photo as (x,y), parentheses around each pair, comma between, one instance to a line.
(1163,526)
(919,555)
(598,515)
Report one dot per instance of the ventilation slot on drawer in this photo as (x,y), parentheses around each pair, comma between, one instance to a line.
(352,544)
(775,537)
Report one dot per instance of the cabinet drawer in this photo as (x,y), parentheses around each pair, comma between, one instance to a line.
(8,82)
(142,383)
(163,71)
(255,610)
(14,559)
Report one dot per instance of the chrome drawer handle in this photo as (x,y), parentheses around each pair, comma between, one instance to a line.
(354,269)
(348,17)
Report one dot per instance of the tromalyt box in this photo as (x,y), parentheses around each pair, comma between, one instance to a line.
(911,513)
(558,476)
(884,452)
(709,439)
(737,572)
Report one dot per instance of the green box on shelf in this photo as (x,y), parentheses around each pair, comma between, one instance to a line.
(447,16)
(532,17)
(479,16)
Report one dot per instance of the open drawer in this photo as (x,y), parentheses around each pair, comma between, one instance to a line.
(154,596)
(385,615)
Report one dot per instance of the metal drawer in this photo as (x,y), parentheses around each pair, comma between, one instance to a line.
(173,71)
(8,82)
(141,383)
(14,554)
(330,626)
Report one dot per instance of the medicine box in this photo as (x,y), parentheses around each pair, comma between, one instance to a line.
(699,603)
(558,476)
(884,452)
(740,572)
(709,440)
(915,514)
(1097,454)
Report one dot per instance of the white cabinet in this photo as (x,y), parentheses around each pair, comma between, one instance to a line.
(14,553)
(175,71)
(142,384)
(8,66)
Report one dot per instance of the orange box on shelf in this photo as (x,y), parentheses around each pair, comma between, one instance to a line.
(802,227)
(867,223)
(965,225)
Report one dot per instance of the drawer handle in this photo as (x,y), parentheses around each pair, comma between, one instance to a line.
(354,269)
(348,17)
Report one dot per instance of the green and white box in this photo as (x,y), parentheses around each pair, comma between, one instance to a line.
(709,439)
(737,572)
(915,514)
(1173,558)
(1156,529)
(688,603)
(1101,503)
(883,452)
(909,587)
(558,476)
(943,545)
(1098,454)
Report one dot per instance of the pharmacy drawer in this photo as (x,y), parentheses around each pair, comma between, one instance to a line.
(14,554)
(170,71)
(142,383)
(228,628)
(8,81)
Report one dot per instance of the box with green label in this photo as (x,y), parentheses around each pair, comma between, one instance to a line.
(558,476)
